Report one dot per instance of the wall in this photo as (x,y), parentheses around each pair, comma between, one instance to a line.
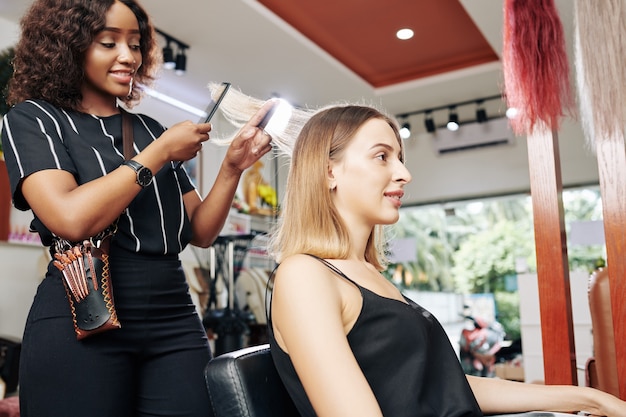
(490,171)
(530,322)
(8,33)
(22,270)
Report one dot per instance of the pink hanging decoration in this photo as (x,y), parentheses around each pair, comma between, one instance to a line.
(535,64)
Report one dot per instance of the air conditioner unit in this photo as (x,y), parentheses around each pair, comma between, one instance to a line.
(473,136)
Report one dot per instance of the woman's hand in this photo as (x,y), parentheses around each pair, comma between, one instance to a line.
(250,143)
(498,396)
(184,140)
(608,405)
(208,217)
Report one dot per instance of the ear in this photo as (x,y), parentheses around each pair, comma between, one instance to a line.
(330,176)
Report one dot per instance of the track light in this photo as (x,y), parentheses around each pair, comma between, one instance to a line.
(453,120)
(168,56)
(181,62)
(511,112)
(481,113)
(171,61)
(453,123)
(429,123)
(405,131)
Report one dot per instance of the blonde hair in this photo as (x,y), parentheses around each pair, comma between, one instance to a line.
(309,221)
(237,108)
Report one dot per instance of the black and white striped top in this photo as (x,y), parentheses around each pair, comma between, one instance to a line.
(38,136)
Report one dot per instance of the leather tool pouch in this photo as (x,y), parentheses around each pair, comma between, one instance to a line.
(87,281)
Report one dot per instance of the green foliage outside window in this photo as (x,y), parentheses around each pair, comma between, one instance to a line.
(6,71)
(475,247)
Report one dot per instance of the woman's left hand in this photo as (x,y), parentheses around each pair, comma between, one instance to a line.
(250,143)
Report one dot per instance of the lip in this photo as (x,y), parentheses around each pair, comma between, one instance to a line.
(395,197)
(123,76)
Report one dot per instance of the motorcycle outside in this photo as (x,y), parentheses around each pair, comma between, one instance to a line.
(479,344)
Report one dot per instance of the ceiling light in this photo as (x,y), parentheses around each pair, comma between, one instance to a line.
(174,102)
(168,57)
(511,112)
(453,120)
(405,131)
(404,34)
(429,123)
(178,62)
(181,62)
(481,113)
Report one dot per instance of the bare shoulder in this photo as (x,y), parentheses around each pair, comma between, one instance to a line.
(303,276)
(306,302)
(302,270)
(298,261)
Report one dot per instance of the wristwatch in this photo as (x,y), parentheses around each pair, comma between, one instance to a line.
(144,175)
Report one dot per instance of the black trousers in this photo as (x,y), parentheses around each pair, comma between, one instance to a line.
(152,366)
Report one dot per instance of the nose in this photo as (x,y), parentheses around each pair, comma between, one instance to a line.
(402,173)
(126,55)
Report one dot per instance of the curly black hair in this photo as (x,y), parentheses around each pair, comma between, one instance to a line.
(49,57)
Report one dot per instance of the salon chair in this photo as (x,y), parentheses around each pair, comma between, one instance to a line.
(244,383)
(10,348)
(601,369)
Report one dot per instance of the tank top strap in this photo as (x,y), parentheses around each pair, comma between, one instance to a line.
(269,293)
(334,269)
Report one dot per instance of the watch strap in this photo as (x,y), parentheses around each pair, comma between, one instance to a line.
(136,166)
(144,175)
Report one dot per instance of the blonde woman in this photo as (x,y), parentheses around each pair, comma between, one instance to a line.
(345,341)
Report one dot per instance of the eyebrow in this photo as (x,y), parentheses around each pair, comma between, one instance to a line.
(383,145)
(118,30)
(389,148)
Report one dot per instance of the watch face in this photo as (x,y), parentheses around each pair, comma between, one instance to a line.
(144,177)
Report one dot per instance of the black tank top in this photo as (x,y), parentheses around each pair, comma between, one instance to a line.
(405,356)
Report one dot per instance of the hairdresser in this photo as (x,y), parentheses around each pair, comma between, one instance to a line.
(76,62)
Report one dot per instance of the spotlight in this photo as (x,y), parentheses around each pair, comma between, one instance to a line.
(481,113)
(168,56)
(404,34)
(405,131)
(178,62)
(453,123)
(453,120)
(511,112)
(181,62)
(429,123)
